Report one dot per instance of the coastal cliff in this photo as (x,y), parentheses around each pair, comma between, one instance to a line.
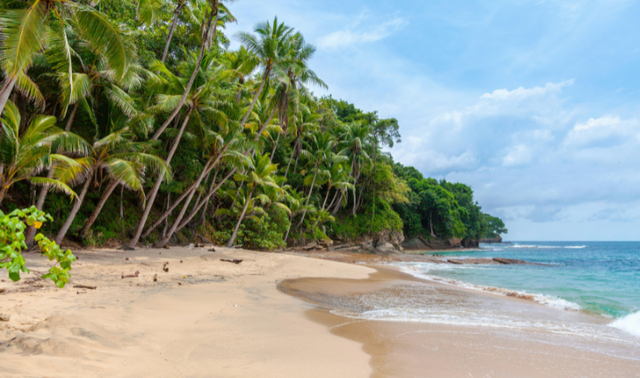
(495,239)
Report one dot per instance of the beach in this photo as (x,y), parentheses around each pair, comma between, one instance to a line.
(277,315)
(222,320)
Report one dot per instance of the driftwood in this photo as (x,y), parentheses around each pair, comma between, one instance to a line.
(85,287)
(234,261)
(165,267)
(135,275)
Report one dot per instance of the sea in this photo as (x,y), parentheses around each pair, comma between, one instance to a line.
(585,289)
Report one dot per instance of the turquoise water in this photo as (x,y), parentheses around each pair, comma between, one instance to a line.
(597,277)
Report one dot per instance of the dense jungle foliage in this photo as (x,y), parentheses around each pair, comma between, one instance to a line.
(133,121)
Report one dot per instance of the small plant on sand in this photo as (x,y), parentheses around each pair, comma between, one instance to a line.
(12,243)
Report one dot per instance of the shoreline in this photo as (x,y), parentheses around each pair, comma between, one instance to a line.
(274,315)
(399,348)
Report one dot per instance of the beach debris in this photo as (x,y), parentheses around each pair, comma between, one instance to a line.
(180,283)
(127,259)
(309,246)
(199,245)
(155,277)
(3,290)
(166,247)
(165,267)
(212,249)
(234,261)
(180,261)
(85,287)
(81,292)
(5,317)
(135,275)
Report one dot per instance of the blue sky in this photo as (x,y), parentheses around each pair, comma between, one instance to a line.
(535,104)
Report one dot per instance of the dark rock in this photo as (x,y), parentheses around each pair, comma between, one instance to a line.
(502,260)
(497,239)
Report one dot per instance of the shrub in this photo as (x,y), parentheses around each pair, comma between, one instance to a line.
(12,242)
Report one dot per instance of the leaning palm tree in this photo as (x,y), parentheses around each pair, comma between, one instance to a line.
(353,141)
(260,174)
(270,46)
(296,206)
(319,151)
(22,157)
(201,100)
(124,162)
(32,28)
(122,159)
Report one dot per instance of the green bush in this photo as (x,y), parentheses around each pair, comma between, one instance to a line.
(12,242)
(378,217)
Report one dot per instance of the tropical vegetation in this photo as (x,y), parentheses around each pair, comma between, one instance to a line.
(142,105)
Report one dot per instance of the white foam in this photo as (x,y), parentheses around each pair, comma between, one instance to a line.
(532,246)
(543,299)
(629,324)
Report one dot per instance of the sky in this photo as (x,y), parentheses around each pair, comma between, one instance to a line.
(534,104)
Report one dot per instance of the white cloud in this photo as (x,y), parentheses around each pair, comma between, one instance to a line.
(354,35)
(605,130)
(522,93)
(518,155)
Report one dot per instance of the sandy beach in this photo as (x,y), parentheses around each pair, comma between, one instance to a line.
(202,318)
(209,318)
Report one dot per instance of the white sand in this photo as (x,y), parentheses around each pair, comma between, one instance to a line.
(224,320)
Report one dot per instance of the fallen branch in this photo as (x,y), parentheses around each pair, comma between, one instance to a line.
(235,261)
(137,273)
(85,287)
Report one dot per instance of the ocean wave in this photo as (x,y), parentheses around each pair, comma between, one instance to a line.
(629,324)
(532,246)
(543,299)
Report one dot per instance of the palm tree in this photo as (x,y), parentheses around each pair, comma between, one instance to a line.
(353,143)
(202,103)
(125,163)
(260,174)
(319,151)
(211,19)
(25,31)
(295,200)
(22,157)
(303,125)
(270,46)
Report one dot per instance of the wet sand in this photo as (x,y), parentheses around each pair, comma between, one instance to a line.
(417,349)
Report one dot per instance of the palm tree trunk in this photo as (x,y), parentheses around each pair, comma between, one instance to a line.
(121,198)
(96,212)
(3,191)
(324,203)
(255,98)
(31,233)
(333,200)
(275,145)
(207,198)
(5,92)
(337,208)
(296,165)
(166,220)
(74,211)
(354,200)
(168,236)
(187,89)
(176,13)
(295,144)
(156,186)
(286,236)
(244,210)
(264,125)
(206,201)
(178,201)
(304,212)
(67,127)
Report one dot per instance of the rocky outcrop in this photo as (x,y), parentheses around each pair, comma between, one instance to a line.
(421,243)
(496,239)
(470,243)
